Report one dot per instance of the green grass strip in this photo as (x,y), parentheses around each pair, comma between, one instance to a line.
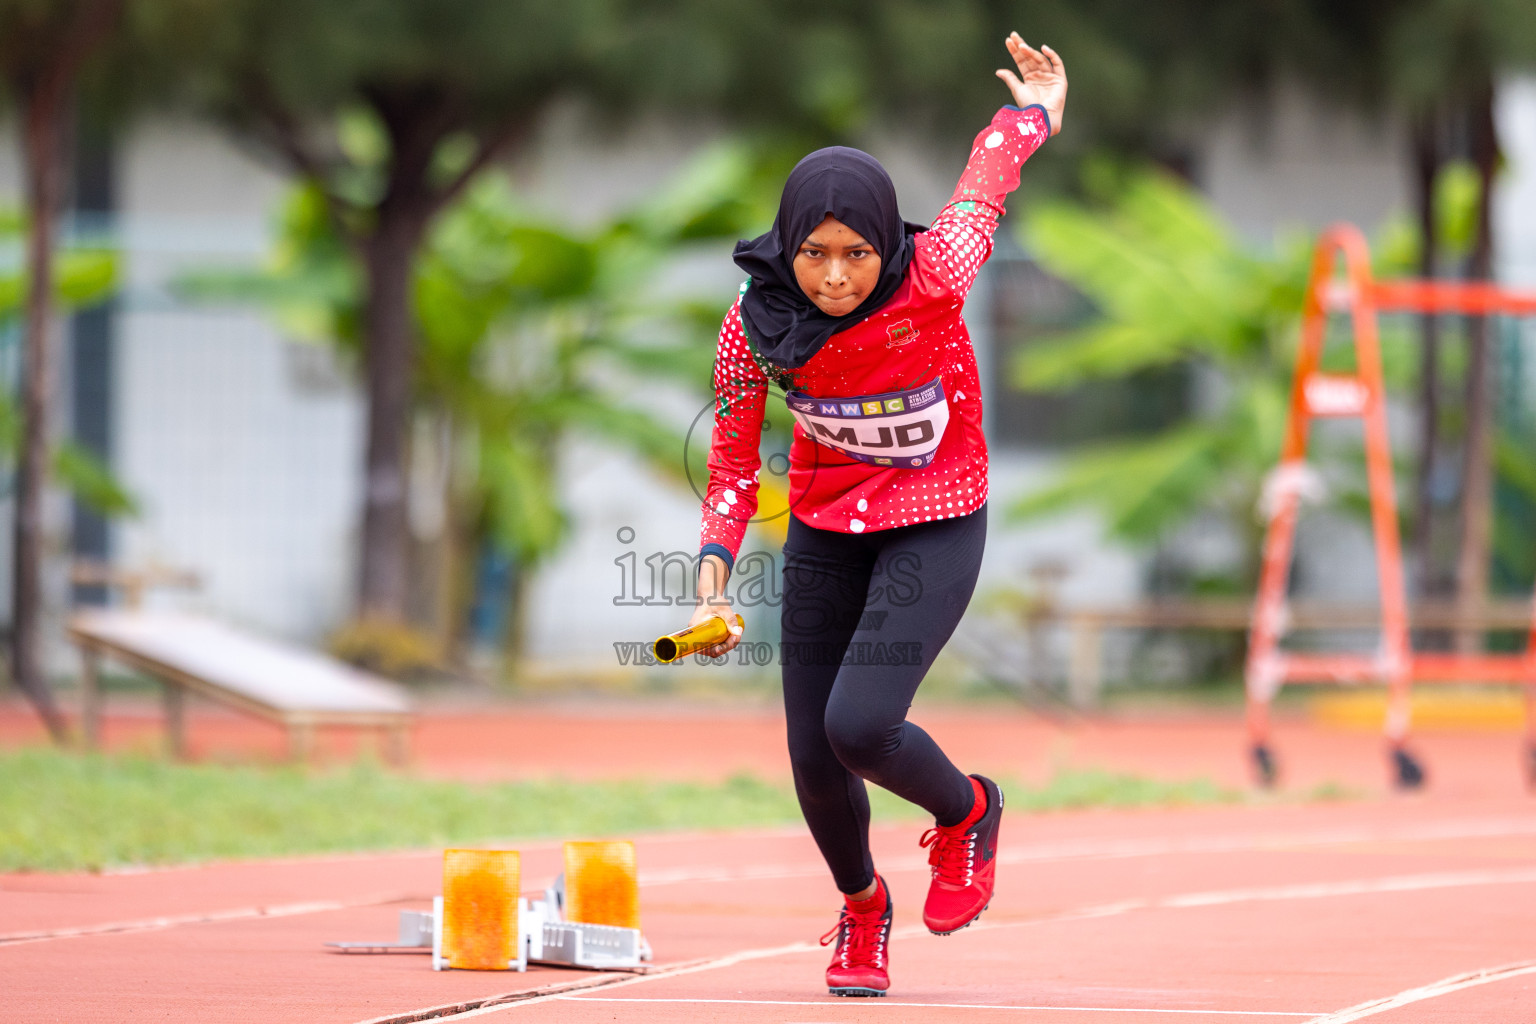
(66,812)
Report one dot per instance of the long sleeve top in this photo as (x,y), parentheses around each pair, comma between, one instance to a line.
(910,366)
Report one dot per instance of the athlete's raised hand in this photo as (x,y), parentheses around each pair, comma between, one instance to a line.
(1041,79)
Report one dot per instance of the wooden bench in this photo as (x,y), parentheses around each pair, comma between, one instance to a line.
(298,689)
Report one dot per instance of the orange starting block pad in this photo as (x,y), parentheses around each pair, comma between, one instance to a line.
(589,918)
(600,884)
(477,919)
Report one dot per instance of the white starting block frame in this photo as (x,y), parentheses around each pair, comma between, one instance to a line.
(544,937)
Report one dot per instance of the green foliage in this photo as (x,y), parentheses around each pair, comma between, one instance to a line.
(88,478)
(526,327)
(530,332)
(524,324)
(83,277)
(1458,194)
(64,812)
(487,56)
(1436,50)
(1171,286)
(1169,281)
(1456,197)
(1514,562)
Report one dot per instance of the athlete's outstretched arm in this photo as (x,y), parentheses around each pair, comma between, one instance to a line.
(960,239)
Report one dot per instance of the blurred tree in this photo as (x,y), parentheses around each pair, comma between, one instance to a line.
(1434,65)
(446,89)
(530,333)
(1446,58)
(44,45)
(82,276)
(1171,286)
(79,277)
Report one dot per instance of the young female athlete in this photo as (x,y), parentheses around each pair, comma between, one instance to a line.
(856,315)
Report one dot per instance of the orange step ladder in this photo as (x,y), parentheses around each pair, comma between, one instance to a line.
(1316,394)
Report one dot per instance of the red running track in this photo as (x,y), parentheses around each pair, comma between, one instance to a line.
(1386,908)
(1258,913)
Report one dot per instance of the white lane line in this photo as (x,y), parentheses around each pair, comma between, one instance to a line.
(1445,986)
(1117,849)
(151,924)
(1319,890)
(662,972)
(1030,853)
(938,1006)
(455,1011)
(1397,883)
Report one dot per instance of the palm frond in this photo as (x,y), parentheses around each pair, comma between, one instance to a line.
(1142,487)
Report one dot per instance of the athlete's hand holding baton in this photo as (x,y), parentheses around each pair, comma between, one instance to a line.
(713,601)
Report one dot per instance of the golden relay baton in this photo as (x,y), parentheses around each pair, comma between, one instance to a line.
(705,635)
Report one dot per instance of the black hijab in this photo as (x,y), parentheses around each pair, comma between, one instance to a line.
(782,322)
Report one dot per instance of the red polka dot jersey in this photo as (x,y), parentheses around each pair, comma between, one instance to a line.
(915,337)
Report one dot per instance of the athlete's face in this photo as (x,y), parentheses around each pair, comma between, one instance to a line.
(836,268)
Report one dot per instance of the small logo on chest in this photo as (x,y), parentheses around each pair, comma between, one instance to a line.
(901,333)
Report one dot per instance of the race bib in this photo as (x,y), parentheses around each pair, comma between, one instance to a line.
(900,428)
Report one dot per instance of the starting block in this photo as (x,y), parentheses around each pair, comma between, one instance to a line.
(589,918)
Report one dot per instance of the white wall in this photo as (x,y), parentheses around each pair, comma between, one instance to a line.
(245,476)
(1300,160)
(243,447)
(1515,213)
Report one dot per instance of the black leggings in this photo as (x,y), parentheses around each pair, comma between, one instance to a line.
(864,616)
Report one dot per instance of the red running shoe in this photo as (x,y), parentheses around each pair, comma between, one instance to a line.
(963,859)
(858,966)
